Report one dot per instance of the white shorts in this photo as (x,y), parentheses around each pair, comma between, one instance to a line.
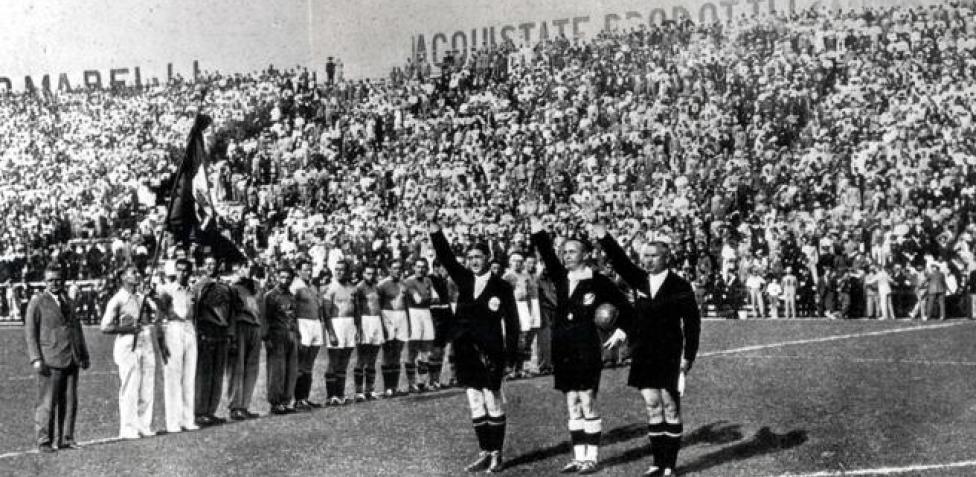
(528,312)
(310,332)
(536,313)
(372,331)
(421,325)
(396,325)
(345,332)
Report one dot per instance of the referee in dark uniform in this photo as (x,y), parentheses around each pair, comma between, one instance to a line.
(485,334)
(665,343)
(576,346)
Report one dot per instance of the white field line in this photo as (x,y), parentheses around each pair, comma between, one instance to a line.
(888,470)
(857,360)
(781,344)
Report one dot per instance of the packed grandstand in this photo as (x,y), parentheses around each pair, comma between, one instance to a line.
(836,147)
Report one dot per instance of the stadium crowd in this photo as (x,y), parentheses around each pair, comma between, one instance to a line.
(819,163)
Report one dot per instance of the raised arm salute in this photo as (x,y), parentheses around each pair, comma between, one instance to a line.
(664,344)
(576,351)
(485,337)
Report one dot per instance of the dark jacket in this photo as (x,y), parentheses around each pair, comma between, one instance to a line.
(575,339)
(213,302)
(53,332)
(668,325)
(279,312)
(479,318)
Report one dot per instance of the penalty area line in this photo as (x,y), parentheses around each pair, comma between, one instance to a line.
(781,344)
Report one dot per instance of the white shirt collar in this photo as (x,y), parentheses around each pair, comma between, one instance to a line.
(584,273)
(656,280)
(480,282)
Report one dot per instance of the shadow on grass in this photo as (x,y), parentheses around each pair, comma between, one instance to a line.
(714,433)
(433,396)
(764,441)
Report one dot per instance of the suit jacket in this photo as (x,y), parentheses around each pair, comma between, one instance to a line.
(480,318)
(574,333)
(668,325)
(53,332)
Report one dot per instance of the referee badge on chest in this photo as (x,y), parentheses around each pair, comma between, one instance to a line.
(494,303)
(589,299)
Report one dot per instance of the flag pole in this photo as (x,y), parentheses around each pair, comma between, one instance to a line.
(161,236)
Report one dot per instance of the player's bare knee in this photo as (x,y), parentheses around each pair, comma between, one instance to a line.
(588,404)
(493,402)
(573,406)
(671,413)
(476,401)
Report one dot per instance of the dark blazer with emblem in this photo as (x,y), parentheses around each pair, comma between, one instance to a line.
(668,325)
(575,340)
(53,332)
(475,319)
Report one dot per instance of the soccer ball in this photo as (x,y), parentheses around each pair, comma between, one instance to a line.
(605,317)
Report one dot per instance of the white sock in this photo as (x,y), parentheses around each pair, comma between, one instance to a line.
(579,452)
(592,426)
(591,453)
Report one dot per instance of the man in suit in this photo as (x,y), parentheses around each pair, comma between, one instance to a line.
(482,349)
(665,341)
(576,344)
(56,348)
(935,292)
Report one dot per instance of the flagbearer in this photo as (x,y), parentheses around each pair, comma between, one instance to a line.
(133,354)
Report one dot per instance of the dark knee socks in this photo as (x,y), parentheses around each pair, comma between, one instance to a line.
(496,432)
(391,364)
(665,443)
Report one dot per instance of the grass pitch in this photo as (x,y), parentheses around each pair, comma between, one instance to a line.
(765,398)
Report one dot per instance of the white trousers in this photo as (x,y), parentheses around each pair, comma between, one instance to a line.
(179,375)
(137,376)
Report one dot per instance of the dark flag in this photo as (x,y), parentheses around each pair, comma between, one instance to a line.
(192,217)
